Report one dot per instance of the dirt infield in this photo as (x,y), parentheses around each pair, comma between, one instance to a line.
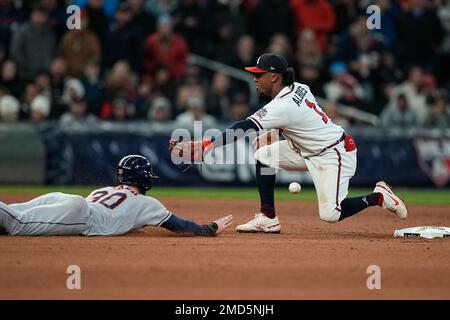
(310,259)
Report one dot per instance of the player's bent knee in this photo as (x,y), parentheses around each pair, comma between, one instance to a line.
(261,155)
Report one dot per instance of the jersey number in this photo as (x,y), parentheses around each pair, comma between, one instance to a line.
(312,105)
(111,201)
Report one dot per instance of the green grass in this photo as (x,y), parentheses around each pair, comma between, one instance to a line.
(410,196)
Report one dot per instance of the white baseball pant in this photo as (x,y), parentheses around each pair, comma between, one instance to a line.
(331,172)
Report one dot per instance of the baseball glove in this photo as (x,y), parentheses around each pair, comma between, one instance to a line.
(193,151)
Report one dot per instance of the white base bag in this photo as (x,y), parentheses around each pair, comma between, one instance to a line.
(428,232)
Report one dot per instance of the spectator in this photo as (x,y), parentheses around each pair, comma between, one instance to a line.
(310,61)
(399,114)
(270,17)
(412,89)
(388,74)
(439,117)
(39,109)
(42,82)
(145,21)
(317,15)
(389,11)
(31,38)
(121,110)
(164,47)
(345,11)
(245,54)
(77,114)
(442,68)
(332,111)
(195,112)
(219,97)
(309,74)
(29,94)
(349,95)
(420,34)
(79,47)
(98,20)
(189,21)
(340,76)
(125,40)
(185,92)
(163,83)
(280,43)
(160,7)
(240,108)
(73,90)
(308,51)
(360,50)
(160,111)
(58,78)
(121,82)
(56,17)
(143,98)
(10,18)
(9,109)
(9,78)
(227,23)
(94,87)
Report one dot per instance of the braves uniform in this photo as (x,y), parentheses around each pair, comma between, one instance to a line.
(106,211)
(312,142)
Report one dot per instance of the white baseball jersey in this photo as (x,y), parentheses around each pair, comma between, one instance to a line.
(308,131)
(117,210)
(301,121)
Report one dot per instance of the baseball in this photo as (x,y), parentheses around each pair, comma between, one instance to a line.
(294,187)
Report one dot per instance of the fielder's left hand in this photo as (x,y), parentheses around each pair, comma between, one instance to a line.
(193,151)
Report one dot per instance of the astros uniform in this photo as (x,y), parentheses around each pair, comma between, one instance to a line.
(106,211)
(312,142)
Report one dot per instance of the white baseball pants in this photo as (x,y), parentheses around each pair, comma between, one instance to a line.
(331,172)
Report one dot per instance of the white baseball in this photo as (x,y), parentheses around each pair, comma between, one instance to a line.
(294,188)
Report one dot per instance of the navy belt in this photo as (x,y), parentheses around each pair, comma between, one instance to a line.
(333,144)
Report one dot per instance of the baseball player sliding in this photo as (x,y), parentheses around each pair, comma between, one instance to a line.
(107,211)
(311,142)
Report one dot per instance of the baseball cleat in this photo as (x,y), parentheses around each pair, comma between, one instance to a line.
(261,223)
(390,200)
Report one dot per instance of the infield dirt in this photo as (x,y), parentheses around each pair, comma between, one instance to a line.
(310,259)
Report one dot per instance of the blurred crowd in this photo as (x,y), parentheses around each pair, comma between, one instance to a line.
(129,59)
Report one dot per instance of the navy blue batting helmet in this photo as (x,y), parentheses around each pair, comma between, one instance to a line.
(136,170)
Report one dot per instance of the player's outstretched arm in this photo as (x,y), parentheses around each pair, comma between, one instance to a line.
(179,225)
(197,150)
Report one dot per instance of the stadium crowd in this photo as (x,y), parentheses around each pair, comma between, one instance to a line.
(129,59)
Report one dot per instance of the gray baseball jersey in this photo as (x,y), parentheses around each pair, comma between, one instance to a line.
(117,210)
(106,211)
